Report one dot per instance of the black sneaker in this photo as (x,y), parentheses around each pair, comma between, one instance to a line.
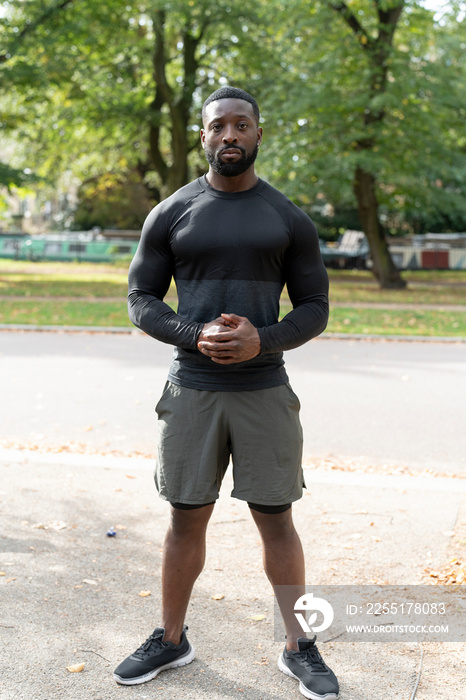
(153,656)
(316,680)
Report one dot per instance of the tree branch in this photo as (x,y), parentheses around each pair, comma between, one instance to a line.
(159,58)
(388,21)
(352,21)
(154,135)
(32,26)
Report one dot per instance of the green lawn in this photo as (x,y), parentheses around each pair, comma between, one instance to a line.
(398,322)
(65,313)
(342,320)
(90,285)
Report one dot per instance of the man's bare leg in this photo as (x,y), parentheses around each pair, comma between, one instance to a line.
(283,560)
(183,560)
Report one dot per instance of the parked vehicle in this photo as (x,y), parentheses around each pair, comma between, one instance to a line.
(11,245)
(351,251)
(74,246)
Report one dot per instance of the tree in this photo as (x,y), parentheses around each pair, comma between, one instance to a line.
(372,105)
(363,101)
(117,85)
(197,33)
(378,48)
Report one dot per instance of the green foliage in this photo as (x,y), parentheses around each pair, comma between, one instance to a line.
(10,177)
(80,95)
(416,149)
(111,201)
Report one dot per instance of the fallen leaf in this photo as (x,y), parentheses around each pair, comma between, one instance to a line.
(54,525)
(90,581)
(263,662)
(2,573)
(128,476)
(449,576)
(9,580)
(258,618)
(77,668)
(218,596)
(144,594)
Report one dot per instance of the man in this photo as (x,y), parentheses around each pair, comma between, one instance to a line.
(231,242)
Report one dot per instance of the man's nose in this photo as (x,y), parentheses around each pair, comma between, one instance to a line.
(229,135)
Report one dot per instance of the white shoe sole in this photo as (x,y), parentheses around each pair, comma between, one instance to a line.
(302,688)
(180,661)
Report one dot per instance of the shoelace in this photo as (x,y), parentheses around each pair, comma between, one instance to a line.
(155,640)
(312,658)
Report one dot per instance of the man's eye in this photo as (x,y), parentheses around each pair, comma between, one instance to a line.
(216,127)
(242,126)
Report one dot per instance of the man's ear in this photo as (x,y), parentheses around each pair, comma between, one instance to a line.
(203,138)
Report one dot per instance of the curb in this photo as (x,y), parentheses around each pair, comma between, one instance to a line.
(70,329)
(398,338)
(123,330)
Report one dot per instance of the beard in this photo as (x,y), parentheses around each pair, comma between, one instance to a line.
(230,169)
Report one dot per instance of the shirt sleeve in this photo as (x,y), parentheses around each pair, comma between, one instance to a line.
(149,279)
(306,280)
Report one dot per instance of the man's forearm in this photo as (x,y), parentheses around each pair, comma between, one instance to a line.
(157,319)
(300,325)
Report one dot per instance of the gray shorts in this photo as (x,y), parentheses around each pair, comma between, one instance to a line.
(200,430)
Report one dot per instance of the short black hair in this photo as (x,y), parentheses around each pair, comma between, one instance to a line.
(232,93)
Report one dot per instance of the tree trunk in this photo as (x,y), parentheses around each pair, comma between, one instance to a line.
(172,167)
(377,50)
(384,268)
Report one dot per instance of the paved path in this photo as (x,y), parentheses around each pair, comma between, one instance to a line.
(385,402)
(70,594)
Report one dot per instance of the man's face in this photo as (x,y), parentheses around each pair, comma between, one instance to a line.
(230,136)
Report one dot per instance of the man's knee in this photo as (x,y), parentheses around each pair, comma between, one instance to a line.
(189,520)
(274,525)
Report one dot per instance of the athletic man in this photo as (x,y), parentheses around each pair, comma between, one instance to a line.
(231,242)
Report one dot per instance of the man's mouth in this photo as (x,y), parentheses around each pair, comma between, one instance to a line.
(231,152)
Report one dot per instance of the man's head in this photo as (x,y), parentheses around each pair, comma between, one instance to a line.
(231,135)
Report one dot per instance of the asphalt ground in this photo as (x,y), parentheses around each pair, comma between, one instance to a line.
(394,403)
(70,594)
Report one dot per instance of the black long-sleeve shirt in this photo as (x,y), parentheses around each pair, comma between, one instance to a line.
(228,253)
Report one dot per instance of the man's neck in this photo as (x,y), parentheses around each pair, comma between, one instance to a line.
(237,183)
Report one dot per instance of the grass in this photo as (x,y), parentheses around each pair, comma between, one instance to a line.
(91,284)
(398,322)
(342,320)
(428,276)
(65,313)
(417,293)
(63,285)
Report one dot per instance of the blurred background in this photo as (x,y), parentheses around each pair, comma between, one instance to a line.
(363,107)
